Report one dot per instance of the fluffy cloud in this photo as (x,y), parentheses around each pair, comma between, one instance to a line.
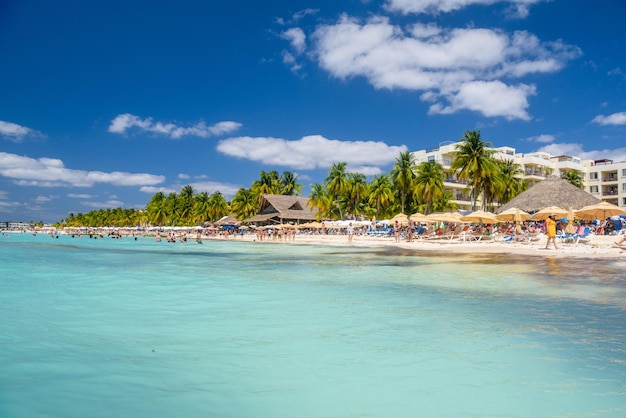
(126,121)
(296,38)
(50,172)
(457,69)
(16,132)
(227,189)
(614,119)
(541,138)
(436,6)
(576,150)
(312,152)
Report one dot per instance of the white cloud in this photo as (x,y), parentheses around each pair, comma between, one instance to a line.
(50,172)
(450,66)
(312,152)
(80,195)
(109,204)
(541,138)
(576,150)
(614,119)
(123,122)
(16,132)
(227,189)
(296,38)
(437,6)
(491,98)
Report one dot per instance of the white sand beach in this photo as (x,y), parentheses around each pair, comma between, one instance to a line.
(600,247)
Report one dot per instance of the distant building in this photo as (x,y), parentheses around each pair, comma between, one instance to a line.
(604,179)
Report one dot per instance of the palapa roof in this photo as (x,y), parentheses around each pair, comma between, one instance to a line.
(553,191)
(283,208)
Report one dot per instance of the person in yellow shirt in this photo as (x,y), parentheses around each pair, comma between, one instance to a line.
(551,231)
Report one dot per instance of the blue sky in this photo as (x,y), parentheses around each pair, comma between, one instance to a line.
(102,104)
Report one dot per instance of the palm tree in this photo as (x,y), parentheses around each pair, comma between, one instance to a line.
(200,213)
(337,184)
(508,181)
(245,203)
(185,203)
(156,209)
(357,193)
(429,183)
(268,183)
(289,184)
(381,194)
(321,199)
(218,206)
(473,160)
(402,176)
(575,177)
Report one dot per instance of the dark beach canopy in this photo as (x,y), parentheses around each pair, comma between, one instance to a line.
(553,191)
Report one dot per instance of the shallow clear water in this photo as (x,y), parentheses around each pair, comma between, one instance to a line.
(125,328)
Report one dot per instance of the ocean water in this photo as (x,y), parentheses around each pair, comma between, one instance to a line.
(136,328)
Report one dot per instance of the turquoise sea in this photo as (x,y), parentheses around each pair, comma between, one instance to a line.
(135,328)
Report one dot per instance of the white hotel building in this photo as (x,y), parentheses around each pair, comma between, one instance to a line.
(604,179)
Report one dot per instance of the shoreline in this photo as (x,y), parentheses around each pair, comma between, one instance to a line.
(599,247)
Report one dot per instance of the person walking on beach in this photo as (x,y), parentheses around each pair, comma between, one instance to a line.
(350,232)
(551,231)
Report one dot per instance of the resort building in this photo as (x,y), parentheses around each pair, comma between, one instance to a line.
(280,209)
(604,179)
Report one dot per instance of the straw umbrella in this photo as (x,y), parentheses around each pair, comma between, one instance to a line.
(512,215)
(419,217)
(570,221)
(547,211)
(444,217)
(401,218)
(482,217)
(600,210)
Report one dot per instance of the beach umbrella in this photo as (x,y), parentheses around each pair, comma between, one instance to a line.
(419,217)
(445,217)
(570,221)
(600,210)
(512,215)
(550,210)
(401,218)
(481,216)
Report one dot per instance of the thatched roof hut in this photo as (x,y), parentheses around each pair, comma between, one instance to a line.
(282,209)
(553,191)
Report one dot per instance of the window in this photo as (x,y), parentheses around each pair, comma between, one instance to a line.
(623,172)
(624,187)
(593,189)
(593,176)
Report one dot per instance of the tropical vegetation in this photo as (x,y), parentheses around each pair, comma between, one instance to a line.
(409,187)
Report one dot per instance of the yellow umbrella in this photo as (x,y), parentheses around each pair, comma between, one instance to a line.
(510,215)
(444,217)
(570,221)
(419,217)
(550,210)
(600,211)
(481,216)
(401,218)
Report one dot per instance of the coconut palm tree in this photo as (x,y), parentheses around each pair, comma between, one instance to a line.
(381,194)
(429,185)
(337,184)
(245,203)
(268,183)
(218,206)
(508,182)
(402,176)
(321,199)
(575,177)
(289,184)
(357,193)
(156,209)
(473,161)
